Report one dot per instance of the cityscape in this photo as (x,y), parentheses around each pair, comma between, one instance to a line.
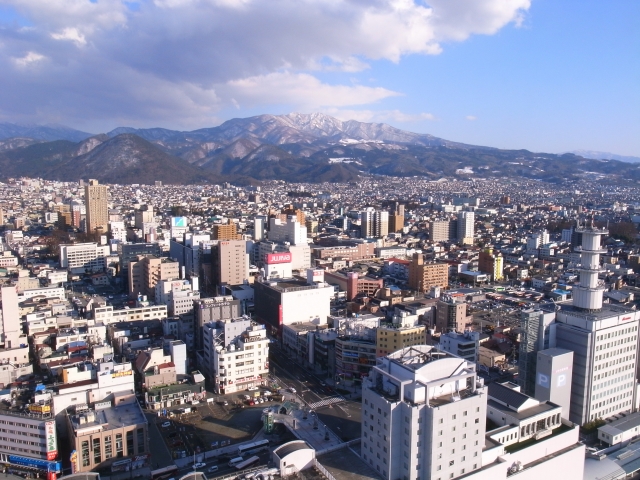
(319,240)
(386,328)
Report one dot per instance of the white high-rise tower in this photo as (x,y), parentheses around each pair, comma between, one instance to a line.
(588,295)
(603,338)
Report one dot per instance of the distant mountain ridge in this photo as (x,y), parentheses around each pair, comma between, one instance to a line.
(46,133)
(294,147)
(605,156)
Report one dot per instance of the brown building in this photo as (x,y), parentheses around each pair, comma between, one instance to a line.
(225,232)
(423,276)
(65,217)
(109,435)
(96,198)
(451,316)
(147,271)
(354,284)
(396,223)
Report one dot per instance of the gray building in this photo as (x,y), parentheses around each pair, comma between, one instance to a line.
(210,310)
(536,335)
(553,378)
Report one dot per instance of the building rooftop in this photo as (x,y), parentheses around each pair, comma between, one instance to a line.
(107,417)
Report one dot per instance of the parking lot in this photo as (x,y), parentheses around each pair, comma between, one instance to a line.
(212,425)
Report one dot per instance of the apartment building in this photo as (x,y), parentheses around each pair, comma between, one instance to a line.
(423,276)
(96,198)
(147,271)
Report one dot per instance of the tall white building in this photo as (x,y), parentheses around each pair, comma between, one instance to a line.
(423,415)
(604,339)
(290,231)
(235,355)
(374,223)
(466,227)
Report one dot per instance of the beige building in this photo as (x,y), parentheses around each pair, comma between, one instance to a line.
(96,197)
(231,262)
(423,276)
(111,434)
(147,272)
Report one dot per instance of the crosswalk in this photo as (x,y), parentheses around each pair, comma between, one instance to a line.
(327,401)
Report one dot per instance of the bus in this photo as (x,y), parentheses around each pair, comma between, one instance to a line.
(253,447)
(163,473)
(247,462)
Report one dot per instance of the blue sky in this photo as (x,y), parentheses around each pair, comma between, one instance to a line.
(545,75)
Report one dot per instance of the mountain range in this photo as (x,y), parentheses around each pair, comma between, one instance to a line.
(294,147)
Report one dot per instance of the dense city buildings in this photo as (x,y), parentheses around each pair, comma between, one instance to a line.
(421,298)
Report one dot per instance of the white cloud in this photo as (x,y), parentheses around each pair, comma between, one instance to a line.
(301,90)
(255,52)
(28,59)
(471,118)
(71,34)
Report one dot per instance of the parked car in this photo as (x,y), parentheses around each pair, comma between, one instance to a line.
(252,389)
(166,424)
(225,403)
(200,465)
(212,469)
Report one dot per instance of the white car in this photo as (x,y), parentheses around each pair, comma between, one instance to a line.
(199,465)
(292,390)
(252,389)
(166,424)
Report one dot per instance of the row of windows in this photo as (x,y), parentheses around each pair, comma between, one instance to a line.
(17,424)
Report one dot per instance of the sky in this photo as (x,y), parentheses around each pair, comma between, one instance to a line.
(543,75)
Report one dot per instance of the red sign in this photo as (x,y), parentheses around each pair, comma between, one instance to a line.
(274,258)
(624,319)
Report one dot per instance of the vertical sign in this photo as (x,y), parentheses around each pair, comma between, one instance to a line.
(52,444)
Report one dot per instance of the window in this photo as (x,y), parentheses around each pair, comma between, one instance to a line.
(85,453)
(119,445)
(97,454)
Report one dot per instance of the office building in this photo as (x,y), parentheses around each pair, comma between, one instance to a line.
(466,228)
(29,443)
(236,361)
(536,336)
(492,264)
(451,315)
(227,231)
(290,230)
(554,368)
(374,223)
(209,310)
(111,434)
(147,272)
(423,415)
(403,331)
(464,345)
(286,301)
(260,223)
(423,276)
(603,337)
(230,262)
(442,230)
(96,199)
(84,257)
(130,251)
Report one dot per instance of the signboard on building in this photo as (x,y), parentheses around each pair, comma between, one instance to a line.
(37,408)
(73,459)
(52,444)
(275,258)
(125,373)
(179,222)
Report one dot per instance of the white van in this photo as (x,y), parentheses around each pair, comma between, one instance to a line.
(234,461)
